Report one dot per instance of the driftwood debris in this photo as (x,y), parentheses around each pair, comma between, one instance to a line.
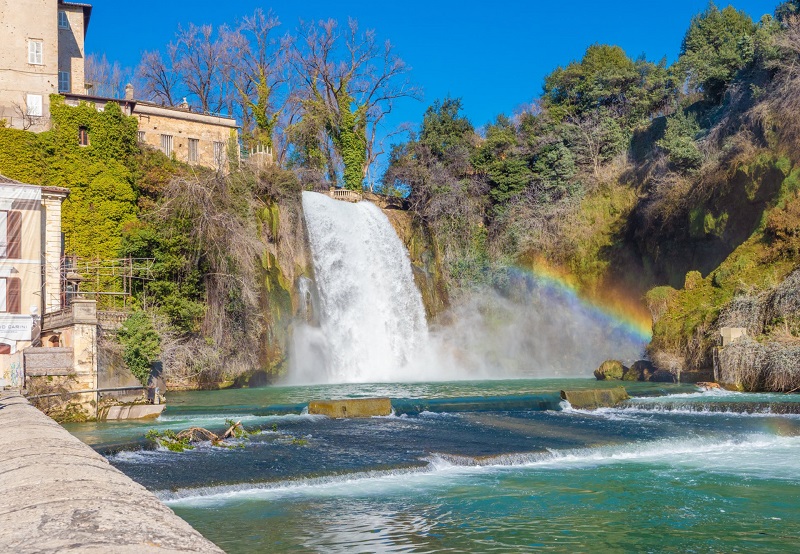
(199,434)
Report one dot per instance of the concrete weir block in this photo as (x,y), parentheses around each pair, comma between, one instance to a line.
(135,411)
(598,398)
(351,407)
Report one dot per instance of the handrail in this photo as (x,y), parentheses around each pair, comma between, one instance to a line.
(346,195)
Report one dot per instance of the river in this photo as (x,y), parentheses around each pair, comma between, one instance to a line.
(465,467)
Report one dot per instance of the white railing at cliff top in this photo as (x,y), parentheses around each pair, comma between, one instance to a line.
(346,195)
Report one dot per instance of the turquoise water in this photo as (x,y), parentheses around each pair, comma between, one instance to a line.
(672,470)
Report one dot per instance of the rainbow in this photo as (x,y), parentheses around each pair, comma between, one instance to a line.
(613,310)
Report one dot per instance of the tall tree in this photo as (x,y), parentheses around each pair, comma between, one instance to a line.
(107,79)
(258,70)
(350,82)
(202,60)
(716,46)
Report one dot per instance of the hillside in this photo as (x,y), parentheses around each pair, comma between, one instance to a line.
(670,186)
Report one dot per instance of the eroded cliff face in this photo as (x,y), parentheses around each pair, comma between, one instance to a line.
(425,260)
(286,259)
(767,357)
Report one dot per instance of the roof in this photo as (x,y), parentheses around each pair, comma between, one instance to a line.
(93,98)
(87,12)
(53,190)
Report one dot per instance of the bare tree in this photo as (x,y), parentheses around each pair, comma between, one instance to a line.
(202,61)
(106,79)
(159,77)
(259,73)
(350,82)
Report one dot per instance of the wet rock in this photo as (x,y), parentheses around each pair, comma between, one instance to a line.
(258,379)
(351,407)
(662,376)
(640,370)
(610,370)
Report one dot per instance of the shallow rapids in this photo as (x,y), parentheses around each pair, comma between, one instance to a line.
(673,469)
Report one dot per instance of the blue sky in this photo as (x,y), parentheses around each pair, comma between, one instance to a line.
(492,54)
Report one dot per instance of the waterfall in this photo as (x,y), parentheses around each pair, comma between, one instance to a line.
(371,317)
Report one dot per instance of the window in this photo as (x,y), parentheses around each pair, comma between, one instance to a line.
(34,104)
(63,81)
(63,20)
(10,234)
(193,149)
(166,145)
(35,52)
(219,152)
(10,301)
(83,136)
(140,136)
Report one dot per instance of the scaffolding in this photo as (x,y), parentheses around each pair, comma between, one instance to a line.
(111,283)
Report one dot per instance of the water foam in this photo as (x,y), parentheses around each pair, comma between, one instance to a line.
(372,321)
(752,455)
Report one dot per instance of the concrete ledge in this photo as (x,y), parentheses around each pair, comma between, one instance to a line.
(135,411)
(598,398)
(353,407)
(59,495)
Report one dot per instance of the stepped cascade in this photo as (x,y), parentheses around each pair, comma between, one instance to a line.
(371,316)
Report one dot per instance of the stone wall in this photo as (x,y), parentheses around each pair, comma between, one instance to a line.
(21,21)
(59,495)
(183,125)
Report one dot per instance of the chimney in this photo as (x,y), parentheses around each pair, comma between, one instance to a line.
(129,92)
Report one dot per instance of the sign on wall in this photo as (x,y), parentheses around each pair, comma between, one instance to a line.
(15,327)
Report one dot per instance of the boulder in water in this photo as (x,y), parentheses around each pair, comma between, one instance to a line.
(610,370)
(640,370)
(351,407)
(662,376)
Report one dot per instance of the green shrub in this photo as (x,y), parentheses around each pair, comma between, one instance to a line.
(141,343)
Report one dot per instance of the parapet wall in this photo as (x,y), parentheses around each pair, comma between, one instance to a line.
(59,495)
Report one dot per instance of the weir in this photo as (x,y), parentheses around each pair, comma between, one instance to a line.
(372,319)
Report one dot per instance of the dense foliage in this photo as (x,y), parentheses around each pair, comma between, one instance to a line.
(630,175)
(141,344)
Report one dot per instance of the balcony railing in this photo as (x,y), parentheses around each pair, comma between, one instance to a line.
(345,195)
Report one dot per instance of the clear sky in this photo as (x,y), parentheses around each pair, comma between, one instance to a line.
(493,54)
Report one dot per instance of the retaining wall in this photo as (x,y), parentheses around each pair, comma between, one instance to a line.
(59,495)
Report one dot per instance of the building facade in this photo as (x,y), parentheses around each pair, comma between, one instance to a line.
(41,53)
(30,261)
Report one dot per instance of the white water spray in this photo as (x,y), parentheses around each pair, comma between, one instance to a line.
(371,320)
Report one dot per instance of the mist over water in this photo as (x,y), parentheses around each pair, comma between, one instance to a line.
(368,322)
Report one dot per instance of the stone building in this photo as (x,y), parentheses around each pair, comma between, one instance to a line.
(30,260)
(41,53)
(188,136)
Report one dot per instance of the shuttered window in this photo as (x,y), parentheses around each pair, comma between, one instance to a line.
(14,235)
(35,52)
(13,298)
(193,143)
(166,145)
(10,234)
(10,295)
